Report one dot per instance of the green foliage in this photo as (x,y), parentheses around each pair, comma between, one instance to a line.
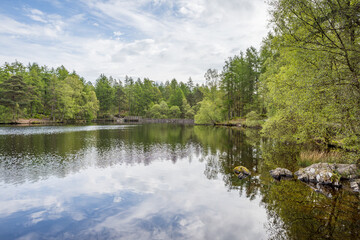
(5,114)
(240,82)
(146,98)
(186,110)
(105,93)
(164,109)
(282,126)
(120,100)
(159,111)
(210,112)
(174,112)
(155,112)
(253,119)
(90,105)
(190,113)
(305,79)
(311,82)
(211,109)
(35,91)
(13,94)
(176,98)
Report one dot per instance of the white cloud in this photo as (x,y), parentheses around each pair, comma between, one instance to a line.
(160,39)
(36,15)
(36,31)
(192,9)
(118,33)
(36,12)
(37,18)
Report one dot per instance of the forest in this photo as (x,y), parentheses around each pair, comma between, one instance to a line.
(301,85)
(35,91)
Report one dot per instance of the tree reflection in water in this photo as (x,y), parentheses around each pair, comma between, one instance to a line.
(295,211)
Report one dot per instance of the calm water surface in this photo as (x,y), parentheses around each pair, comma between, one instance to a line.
(159,182)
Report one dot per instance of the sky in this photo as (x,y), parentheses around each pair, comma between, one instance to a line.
(157,39)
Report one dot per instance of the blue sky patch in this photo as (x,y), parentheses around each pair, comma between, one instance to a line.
(158,39)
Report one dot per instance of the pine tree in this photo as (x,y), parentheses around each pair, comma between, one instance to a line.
(13,94)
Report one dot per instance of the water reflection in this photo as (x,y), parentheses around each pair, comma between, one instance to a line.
(58,151)
(159,182)
(294,210)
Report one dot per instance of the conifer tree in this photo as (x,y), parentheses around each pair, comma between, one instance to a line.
(13,94)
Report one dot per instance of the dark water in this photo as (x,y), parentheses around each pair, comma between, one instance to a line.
(159,182)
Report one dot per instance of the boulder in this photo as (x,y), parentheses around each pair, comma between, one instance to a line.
(279,173)
(347,171)
(241,172)
(328,174)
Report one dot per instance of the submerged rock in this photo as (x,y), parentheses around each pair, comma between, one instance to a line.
(241,172)
(327,174)
(325,190)
(279,173)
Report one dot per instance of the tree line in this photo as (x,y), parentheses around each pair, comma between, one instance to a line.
(304,80)
(147,98)
(311,82)
(35,91)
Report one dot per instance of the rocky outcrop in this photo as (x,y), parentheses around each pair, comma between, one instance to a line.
(328,174)
(241,172)
(347,171)
(280,173)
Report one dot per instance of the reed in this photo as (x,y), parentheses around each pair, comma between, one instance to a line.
(307,158)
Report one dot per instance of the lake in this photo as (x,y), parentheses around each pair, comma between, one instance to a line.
(159,182)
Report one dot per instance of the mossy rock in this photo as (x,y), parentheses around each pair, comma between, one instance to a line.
(335,177)
(241,172)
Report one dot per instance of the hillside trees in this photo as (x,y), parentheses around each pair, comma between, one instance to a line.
(105,94)
(36,85)
(160,111)
(14,94)
(210,112)
(36,91)
(240,82)
(147,98)
(90,103)
(120,101)
(313,85)
(234,92)
(212,106)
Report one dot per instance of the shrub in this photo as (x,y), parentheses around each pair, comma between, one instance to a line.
(253,119)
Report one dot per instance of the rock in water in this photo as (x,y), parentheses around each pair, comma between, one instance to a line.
(328,174)
(241,172)
(347,171)
(279,173)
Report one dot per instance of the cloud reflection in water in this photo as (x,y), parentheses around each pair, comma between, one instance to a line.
(118,188)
